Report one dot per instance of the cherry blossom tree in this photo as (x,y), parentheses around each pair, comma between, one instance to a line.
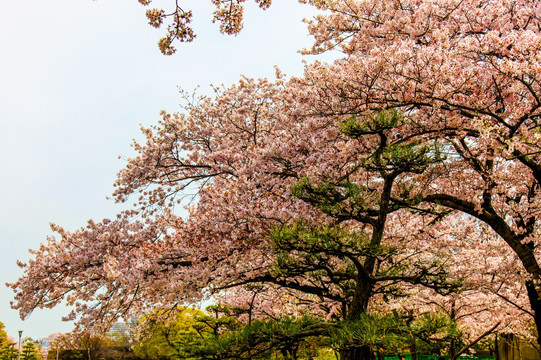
(468,73)
(336,187)
(315,208)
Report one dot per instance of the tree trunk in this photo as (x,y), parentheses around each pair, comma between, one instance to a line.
(535,303)
(496,347)
(452,349)
(355,353)
(358,307)
(364,286)
(413,350)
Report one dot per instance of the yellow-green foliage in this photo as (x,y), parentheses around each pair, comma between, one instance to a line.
(7,348)
(194,335)
(166,337)
(30,350)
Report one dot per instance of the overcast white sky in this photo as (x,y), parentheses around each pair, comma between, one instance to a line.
(77,77)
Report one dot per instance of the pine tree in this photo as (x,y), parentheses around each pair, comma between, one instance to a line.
(30,350)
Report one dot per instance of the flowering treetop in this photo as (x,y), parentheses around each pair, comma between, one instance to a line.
(228,13)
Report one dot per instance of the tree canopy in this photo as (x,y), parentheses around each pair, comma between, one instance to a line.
(403,177)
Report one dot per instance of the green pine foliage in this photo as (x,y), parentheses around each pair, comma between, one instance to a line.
(395,333)
(218,335)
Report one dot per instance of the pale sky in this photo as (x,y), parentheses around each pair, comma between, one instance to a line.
(77,78)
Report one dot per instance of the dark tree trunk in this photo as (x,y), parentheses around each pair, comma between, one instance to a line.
(452,349)
(357,308)
(413,350)
(364,286)
(496,347)
(356,353)
(535,303)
